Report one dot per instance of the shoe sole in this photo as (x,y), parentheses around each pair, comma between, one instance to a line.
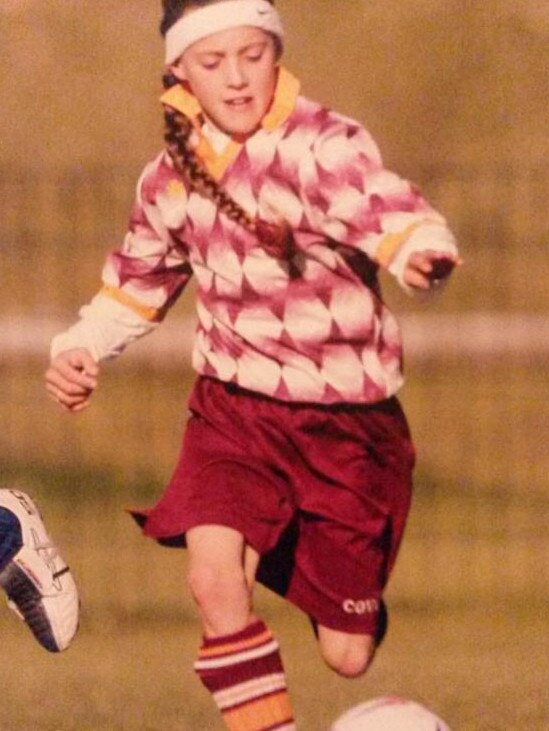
(27,600)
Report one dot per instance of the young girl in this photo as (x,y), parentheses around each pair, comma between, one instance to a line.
(296,462)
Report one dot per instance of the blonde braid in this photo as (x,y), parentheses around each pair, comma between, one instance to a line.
(178,133)
(277,240)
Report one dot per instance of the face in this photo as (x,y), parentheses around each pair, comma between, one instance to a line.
(233,75)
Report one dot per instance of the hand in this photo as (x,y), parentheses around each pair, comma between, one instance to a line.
(71,379)
(428,269)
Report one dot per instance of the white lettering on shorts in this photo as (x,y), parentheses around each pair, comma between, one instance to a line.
(360,606)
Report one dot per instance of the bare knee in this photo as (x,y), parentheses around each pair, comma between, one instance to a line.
(222,596)
(348,655)
(212,585)
(220,576)
(351,662)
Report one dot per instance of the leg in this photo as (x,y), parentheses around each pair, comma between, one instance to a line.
(217,473)
(221,577)
(352,514)
(350,655)
(239,661)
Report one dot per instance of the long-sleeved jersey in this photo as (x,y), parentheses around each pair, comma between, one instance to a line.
(309,325)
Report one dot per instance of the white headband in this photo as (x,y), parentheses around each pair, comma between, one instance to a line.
(204,21)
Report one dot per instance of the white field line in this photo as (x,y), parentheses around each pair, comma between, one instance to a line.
(478,334)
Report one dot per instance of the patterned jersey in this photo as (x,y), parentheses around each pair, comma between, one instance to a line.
(305,325)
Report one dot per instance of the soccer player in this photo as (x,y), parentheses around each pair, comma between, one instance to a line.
(296,464)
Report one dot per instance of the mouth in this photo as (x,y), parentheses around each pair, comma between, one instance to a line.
(239,102)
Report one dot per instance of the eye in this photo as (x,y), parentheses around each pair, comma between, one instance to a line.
(209,65)
(255,53)
(209,62)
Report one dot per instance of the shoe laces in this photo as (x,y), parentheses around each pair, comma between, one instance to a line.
(48,552)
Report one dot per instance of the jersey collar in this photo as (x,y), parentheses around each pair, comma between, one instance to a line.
(216,163)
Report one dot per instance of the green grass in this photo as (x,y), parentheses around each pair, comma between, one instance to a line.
(481,670)
(469,595)
(460,641)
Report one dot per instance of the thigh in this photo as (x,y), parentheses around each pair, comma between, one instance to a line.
(223,548)
(223,476)
(221,573)
(340,571)
(216,545)
(352,510)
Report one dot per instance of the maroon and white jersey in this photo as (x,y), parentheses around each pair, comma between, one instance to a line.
(304,324)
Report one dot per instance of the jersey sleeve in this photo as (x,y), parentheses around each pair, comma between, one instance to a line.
(105,328)
(151,268)
(356,202)
(143,278)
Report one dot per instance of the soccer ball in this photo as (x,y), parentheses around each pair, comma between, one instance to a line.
(389,714)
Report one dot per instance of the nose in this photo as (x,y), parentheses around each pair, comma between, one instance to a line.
(236,76)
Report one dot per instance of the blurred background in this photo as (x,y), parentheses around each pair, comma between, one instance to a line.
(456,96)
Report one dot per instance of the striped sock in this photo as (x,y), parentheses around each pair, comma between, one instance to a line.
(244,674)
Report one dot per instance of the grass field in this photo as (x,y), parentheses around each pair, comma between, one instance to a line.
(469,597)
(482,669)
(480,660)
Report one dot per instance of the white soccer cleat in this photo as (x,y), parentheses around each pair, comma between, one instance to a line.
(39,584)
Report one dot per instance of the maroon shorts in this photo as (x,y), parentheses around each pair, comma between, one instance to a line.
(321,492)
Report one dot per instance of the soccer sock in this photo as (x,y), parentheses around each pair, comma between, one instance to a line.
(244,674)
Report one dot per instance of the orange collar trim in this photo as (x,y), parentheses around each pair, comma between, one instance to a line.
(216,164)
(179,98)
(285,97)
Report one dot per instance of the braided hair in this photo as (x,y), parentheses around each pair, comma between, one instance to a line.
(276,240)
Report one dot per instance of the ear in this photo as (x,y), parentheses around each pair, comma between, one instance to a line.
(177,70)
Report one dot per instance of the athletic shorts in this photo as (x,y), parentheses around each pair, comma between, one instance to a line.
(321,492)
